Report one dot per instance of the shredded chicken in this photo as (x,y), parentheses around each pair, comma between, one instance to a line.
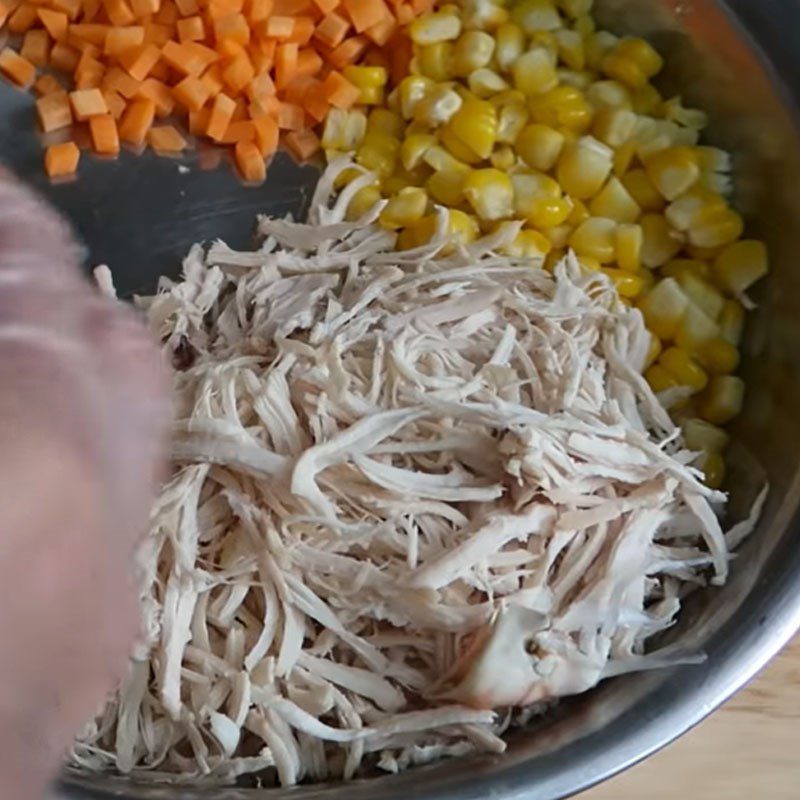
(412,490)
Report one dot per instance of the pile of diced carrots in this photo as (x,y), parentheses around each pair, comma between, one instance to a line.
(244,73)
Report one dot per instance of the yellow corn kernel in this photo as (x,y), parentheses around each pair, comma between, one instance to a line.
(627,284)
(624,156)
(731,322)
(437,107)
(510,44)
(435,61)
(661,242)
(410,91)
(614,126)
(439,159)
(538,199)
(598,45)
(536,15)
(362,201)
(713,466)
(558,236)
(608,94)
(580,213)
(580,80)
(413,149)
(722,400)
(663,308)
(740,265)
(472,51)
(564,107)
(685,370)
(490,193)
(646,99)
(534,72)
(695,329)
(503,158)
(701,293)
(693,208)
(594,238)
(528,244)
(659,379)
(441,26)
(484,83)
(708,254)
(699,435)
(366,77)
(378,153)
(463,228)
(511,120)
(570,48)
(484,15)
(679,267)
(673,171)
(628,247)
(549,212)
(386,121)
(718,356)
(417,233)
(615,202)
(643,54)
(346,176)
(475,126)
(407,206)
(457,148)
(717,229)
(447,187)
(583,167)
(395,184)
(653,351)
(539,146)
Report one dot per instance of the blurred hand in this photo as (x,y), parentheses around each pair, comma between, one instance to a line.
(82,403)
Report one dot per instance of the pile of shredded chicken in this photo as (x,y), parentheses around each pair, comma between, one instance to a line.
(413,491)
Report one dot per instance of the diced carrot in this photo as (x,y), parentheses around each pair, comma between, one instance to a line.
(263,58)
(290,117)
(16,68)
(160,94)
(140,62)
(47,84)
(36,47)
(297,89)
(187,7)
(167,14)
(365,13)
(105,137)
(56,23)
(87,103)
(61,160)
(91,33)
(200,57)
(280,28)
(238,74)
(54,111)
(90,9)
(120,81)
(22,19)
(260,10)
(302,144)
(332,30)
(233,26)
(303,31)
(348,52)
(166,139)
(63,57)
(382,31)
(293,8)
(198,121)
(119,40)
(89,73)
(119,12)
(242,130)
(145,8)
(316,102)
(191,29)
(285,63)
(240,112)
(115,102)
(5,10)
(260,87)
(339,91)
(265,107)
(192,93)
(221,8)
(72,8)
(250,162)
(326,6)
(267,135)
(212,80)
(221,115)
(404,15)
(309,62)
(422,6)
(156,33)
(136,121)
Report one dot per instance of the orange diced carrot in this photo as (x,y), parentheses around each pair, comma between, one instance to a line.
(238,74)
(93,34)
(348,52)
(115,102)
(382,31)
(187,7)
(221,115)
(212,80)
(54,111)
(296,91)
(191,93)
(285,63)
(191,29)
(56,23)
(119,12)
(250,162)
(119,81)
(136,121)
(119,40)
(221,8)
(167,14)
(291,117)
(61,160)
(36,47)
(240,131)
(339,91)
(303,30)
(89,73)
(365,13)
(63,57)
(229,50)
(87,103)
(22,19)
(16,68)
(72,8)
(140,62)
(47,84)
(404,15)
(160,94)
(332,30)
(90,9)
(240,110)
(279,27)
(145,8)
(326,6)
(157,34)
(233,26)
(105,137)
(263,59)
(260,87)
(267,135)
(166,139)
(293,8)
(5,10)
(309,62)
(316,102)
(302,144)
(260,10)
(189,58)
(265,107)
(198,121)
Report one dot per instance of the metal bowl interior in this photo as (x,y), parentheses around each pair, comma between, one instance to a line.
(140,216)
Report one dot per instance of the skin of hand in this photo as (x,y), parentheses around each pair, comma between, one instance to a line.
(82,412)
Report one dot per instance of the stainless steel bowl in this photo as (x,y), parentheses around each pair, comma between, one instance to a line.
(738,61)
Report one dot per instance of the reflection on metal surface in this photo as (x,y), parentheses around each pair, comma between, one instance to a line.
(140,215)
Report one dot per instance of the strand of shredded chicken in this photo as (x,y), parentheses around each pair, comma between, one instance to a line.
(412,491)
